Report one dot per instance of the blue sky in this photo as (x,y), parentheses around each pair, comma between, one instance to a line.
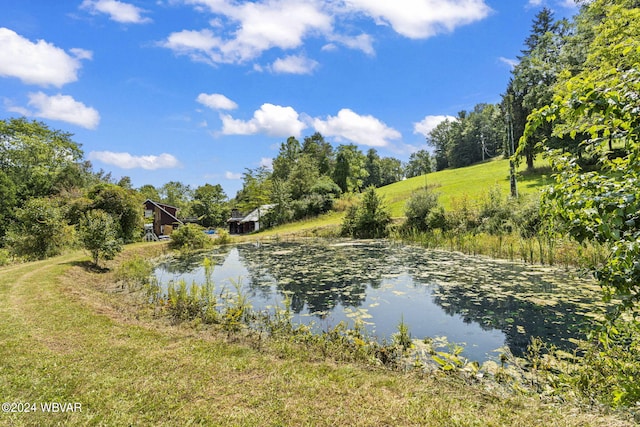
(198,90)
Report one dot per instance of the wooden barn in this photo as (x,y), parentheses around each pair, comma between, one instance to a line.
(240,224)
(164,217)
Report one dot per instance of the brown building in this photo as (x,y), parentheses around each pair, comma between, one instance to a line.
(164,217)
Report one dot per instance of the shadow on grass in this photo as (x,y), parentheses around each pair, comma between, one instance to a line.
(536,178)
(89,266)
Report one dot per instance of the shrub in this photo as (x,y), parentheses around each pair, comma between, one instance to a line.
(135,272)
(369,219)
(223,237)
(418,207)
(190,237)
(40,230)
(5,257)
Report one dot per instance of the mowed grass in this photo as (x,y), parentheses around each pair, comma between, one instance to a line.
(472,182)
(68,334)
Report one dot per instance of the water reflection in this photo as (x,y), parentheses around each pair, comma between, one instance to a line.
(481,302)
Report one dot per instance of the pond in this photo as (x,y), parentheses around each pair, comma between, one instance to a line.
(481,303)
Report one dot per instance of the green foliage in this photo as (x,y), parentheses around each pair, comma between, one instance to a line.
(223,237)
(39,230)
(210,205)
(191,302)
(150,192)
(32,156)
(420,163)
(369,219)
(285,161)
(9,200)
(5,257)
(124,206)
(601,101)
(402,338)
(350,171)
(190,237)
(326,187)
(303,176)
(610,369)
(256,189)
(419,208)
(176,194)
(98,234)
(135,272)
(534,79)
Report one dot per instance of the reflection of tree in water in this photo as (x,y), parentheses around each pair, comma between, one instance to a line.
(320,276)
(522,301)
(187,264)
(517,318)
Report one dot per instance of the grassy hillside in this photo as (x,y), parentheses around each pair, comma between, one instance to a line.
(472,182)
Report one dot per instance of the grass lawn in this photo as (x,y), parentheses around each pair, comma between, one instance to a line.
(69,334)
(472,182)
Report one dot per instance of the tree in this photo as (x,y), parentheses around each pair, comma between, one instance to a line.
(177,194)
(39,230)
(303,176)
(32,156)
(98,233)
(256,189)
(420,163)
(286,159)
(350,171)
(125,206)
(8,197)
(321,152)
(602,101)
(369,219)
(281,198)
(148,191)
(210,205)
(440,138)
(535,76)
(374,169)
(418,207)
(391,170)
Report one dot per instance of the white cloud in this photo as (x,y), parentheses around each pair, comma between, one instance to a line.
(510,62)
(216,101)
(118,11)
(267,162)
(60,107)
(38,63)
(255,27)
(363,42)
(128,161)
(294,64)
(200,46)
(362,130)
(244,29)
(426,125)
(272,120)
(232,175)
(569,4)
(419,19)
